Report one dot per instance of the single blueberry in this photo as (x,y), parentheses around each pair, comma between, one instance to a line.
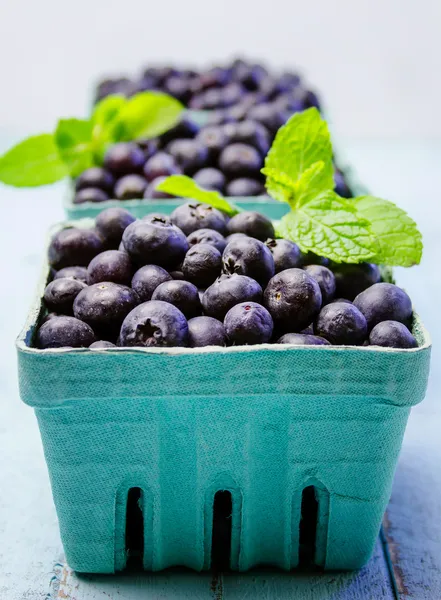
(235,236)
(341,324)
(186,128)
(130,187)
(156,243)
(326,280)
(351,280)
(95,177)
(111,224)
(384,302)
(74,247)
(111,265)
(177,275)
(248,323)
(253,134)
(104,306)
(179,87)
(392,334)
(78,273)
(309,258)
(253,224)
(155,216)
(100,344)
(202,265)
(210,179)
(154,323)
(62,332)
(160,165)
(90,195)
(60,294)
(206,331)
(191,216)
(245,186)
(124,158)
(146,280)
(249,256)
(270,115)
(191,155)
(213,137)
(286,254)
(240,160)
(293,298)
(301,339)
(227,291)
(149,148)
(341,187)
(182,294)
(207,236)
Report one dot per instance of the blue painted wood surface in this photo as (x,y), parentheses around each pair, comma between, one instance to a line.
(31,558)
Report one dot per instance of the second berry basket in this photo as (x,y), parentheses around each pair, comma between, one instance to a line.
(177,426)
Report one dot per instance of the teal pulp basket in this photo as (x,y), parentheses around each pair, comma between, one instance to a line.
(262,422)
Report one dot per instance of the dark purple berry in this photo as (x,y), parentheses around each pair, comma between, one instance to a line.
(111,224)
(351,280)
(74,247)
(182,294)
(60,294)
(124,158)
(240,160)
(202,265)
(90,195)
(206,331)
(78,273)
(392,334)
(192,216)
(253,224)
(341,187)
(286,254)
(146,280)
(253,134)
(227,291)
(207,236)
(160,165)
(301,339)
(210,179)
(152,192)
(326,280)
(130,187)
(152,324)
(270,115)
(245,186)
(95,177)
(65,332)
(101,344)
(384,302)
(111,265)
(341,324)
(155,243)
(248,323)
(213,138)
(249,256)
(191,155)
(186,128)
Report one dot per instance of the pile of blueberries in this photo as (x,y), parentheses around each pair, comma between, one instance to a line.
(198,278)
(224,157)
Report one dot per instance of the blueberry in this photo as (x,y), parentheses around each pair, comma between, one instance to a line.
(152,193)
(191,155)
(104,306)
(213,138)
(130,187)
(206,331)
(392,334)
(240,160)
(149,147)
(210,179)
(90,195)
(249,256)
(95,177)
(156,216)
(341,324)
(227,291)
(285,253)
(111,224)
(202,265)
(293,298)
(182,294)
(248,323)
(74,247)
(245,186)
(186,128)
(62,332)
(341,187)
(301,339)
(326,280)
(253,134)
(345,300)
(270,115)
(253,224)
(146,280)
(155,243)
(207,236)
(60,294)
(308,330)
(290,103)
(351,280)
(101,344)
(124,158)
(111,265)
(235,236)
(192,216)
(232,94)
(154,323)
(179,87)
(384,302)
(177,275)
(160,165)
(78,273)
(309,258)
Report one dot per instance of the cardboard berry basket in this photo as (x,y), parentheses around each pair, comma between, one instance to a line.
(262,422)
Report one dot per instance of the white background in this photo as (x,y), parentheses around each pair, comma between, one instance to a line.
(377,62)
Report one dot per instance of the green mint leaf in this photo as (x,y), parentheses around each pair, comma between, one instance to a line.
(34,161)
(186,187)
(330,226)
(399,241)
(301,154)
(75,145)
(107,109)
(146,115)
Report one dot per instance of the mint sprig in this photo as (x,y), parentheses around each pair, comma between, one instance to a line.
(78,144)
(299,171)
(185,187)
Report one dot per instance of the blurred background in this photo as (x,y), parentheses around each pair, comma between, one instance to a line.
(376,62)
